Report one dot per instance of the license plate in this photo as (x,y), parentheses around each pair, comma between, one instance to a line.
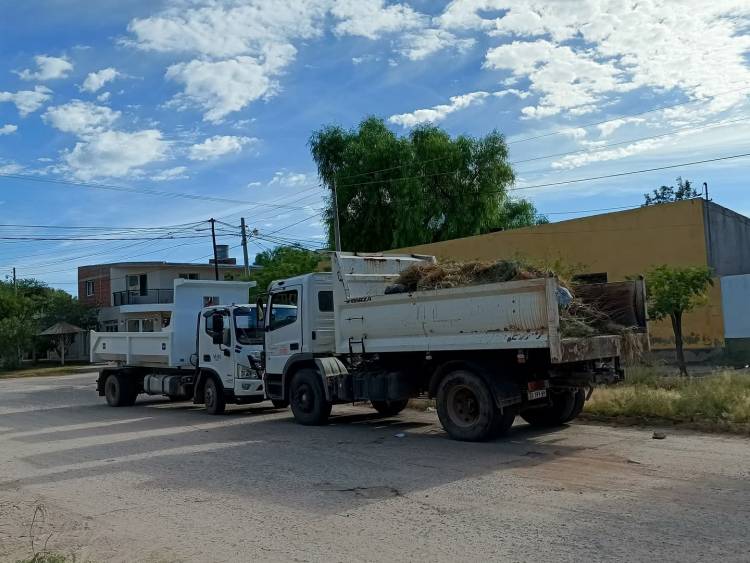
(538,394)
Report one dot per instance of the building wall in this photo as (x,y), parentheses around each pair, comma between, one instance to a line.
(727,234)
(100,275)
(622,244)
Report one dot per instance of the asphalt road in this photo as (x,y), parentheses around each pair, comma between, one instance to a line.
(165,482)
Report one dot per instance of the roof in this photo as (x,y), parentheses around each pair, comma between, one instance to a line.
(61,328)
(162,264)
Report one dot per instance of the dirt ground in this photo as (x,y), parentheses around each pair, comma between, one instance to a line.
(165,482)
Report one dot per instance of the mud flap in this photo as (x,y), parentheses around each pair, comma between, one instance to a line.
(334,373)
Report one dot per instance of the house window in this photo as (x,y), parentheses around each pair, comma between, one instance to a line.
(133,282)
(89,288)
(188,276)
(134,325)
(110,326)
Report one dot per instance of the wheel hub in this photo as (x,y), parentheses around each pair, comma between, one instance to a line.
(463,407)
(303,398)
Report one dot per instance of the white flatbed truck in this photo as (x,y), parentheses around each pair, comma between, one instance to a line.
(486,353)
(209,353)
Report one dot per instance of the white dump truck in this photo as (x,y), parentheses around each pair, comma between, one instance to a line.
(486,353)
(210,352)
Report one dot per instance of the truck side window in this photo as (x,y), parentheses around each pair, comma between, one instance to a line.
(325,301)
(227,335)
(283,309)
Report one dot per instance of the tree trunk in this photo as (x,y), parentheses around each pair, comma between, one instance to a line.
(679,352)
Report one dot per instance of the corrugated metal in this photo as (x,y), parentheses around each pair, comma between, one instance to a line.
(735,300)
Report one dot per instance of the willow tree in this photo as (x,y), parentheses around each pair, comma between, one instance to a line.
(425,187)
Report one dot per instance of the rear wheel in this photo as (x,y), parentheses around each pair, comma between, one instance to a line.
(580,400)
(466,408)
(119,390)
(558,412)
(308,399)
(213,396)
(389,408)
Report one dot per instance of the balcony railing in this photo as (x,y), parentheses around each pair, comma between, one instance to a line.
(149,297)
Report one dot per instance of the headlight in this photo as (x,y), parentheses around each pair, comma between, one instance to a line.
(244,372)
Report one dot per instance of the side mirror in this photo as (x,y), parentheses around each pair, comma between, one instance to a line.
(217,328)
(260,312)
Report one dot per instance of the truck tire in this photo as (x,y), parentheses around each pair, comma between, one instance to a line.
(466,408)
(580,400)
(307,398)
(389,408)
(119,390)
(555,414)
(279,403)
(214,397)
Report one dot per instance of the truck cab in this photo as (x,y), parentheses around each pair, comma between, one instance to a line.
(299,326)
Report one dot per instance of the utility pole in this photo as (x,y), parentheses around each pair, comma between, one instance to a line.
(244,246)
(213,240)
(705,189)
(15,285)
(336,226)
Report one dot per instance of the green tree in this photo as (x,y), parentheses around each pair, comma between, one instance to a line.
(425,187)
(282,262)
(667,194)
(674,291)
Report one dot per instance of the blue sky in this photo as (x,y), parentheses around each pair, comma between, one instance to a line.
(217,98)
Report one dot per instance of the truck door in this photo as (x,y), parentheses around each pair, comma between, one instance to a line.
(284,328)
(218,357)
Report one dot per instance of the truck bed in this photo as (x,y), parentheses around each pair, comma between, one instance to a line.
(510,315)
(150,349)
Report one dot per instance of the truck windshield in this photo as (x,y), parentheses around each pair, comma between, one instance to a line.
(246,326)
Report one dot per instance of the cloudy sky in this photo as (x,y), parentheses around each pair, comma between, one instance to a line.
(207,105)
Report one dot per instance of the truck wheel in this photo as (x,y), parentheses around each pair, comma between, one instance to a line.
(119,391)
(389,408)
(308,398)
(465,407)
(580,400)
(559,412)
(214,397)
(279,403)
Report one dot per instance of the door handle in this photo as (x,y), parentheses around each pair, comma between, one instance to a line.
(206,357)
(294,346)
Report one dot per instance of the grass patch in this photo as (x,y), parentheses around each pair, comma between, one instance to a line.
(45,370)
(712,402)
(47,558)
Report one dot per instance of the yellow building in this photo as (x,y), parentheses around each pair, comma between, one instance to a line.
(615,246)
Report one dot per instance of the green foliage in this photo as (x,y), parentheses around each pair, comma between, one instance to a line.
(718,399)
(282,262)
(666,194)
(426,187)
(30,308)
(673,291)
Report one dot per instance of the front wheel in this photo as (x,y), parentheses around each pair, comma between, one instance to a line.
(467,410)
(389,408)
(308,399)
(119,390)
(214,397)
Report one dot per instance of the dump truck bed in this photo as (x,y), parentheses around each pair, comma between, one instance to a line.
(507,315)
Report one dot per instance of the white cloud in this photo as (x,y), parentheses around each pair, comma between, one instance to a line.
(609,127)
(103,97)
(511,91)
(372,18)
(27,101)
(289,179)
(439,112)
(254,184)
(8,128)
(80,118)
(176,173)
(422,44)
(217,146)
(12,168)
(227,86)
(115,153)
(574,132)
(582,159)
(619,46)
(48,68)
(95,81)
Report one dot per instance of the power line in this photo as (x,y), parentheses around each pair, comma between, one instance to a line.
(630,172)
